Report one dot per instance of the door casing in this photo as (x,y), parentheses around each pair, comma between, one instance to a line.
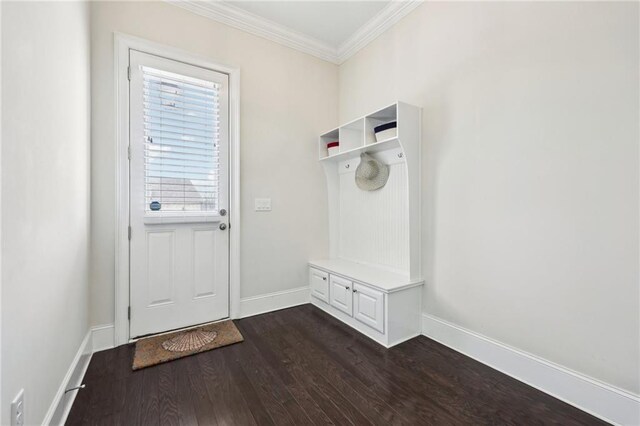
(122,44)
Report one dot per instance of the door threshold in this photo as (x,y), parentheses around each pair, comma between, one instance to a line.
(135,339)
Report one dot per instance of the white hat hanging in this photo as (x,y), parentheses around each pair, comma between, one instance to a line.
(371,174)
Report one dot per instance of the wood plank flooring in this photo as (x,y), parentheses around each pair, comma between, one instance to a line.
(300,366)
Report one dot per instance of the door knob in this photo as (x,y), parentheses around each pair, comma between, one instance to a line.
(223,226)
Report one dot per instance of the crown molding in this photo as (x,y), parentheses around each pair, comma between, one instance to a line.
(238,18)
(243,20)
(392,13)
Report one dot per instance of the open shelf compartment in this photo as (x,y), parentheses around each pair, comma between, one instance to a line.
(325,139)
(352,135)
(378,118)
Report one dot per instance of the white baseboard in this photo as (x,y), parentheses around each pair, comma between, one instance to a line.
(62,402)
(597,398)
(251,306)
(102,337)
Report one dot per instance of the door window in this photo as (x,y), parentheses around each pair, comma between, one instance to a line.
(181,143)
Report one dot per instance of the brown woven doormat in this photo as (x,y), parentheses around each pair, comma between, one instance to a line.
(167,347)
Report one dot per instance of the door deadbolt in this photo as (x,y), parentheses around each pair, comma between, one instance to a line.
(223,212)
(223,226)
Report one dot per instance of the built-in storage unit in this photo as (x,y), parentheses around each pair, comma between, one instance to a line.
(372,278)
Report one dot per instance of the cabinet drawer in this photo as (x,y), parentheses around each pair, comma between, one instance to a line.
(368,306)
(319,283)
(340,294)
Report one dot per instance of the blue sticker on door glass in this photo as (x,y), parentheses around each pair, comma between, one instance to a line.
(155,205)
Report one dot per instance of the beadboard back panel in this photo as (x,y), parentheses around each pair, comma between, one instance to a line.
(373,226)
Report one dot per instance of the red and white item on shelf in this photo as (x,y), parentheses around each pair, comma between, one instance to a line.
(333,148)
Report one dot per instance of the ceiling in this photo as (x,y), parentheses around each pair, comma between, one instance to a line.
(330,30)
(332,22)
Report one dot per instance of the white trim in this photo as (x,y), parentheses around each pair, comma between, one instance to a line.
(1,405)
(264,303)
(256,25)
(62,402)
(238,18)
(234,194)
(181,217)
(385,19)
(597,398)
(102,337)
(122,44)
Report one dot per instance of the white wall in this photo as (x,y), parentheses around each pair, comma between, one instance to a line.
(530,166)
(45,198)
(287,99)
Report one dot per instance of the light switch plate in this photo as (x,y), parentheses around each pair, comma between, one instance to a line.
(262,204)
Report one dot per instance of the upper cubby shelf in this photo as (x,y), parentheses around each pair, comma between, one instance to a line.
(355,152)
(359,135)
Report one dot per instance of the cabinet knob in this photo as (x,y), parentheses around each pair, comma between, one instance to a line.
(347,287)
(354,290)
(223,226)
(324,278)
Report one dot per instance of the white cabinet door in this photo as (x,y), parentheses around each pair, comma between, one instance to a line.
(341,295)
(368,305)
(319,282)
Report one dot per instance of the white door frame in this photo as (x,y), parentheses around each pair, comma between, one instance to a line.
(122,44)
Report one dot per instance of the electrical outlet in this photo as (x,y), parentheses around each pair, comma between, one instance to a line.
(262,204)
(17,409)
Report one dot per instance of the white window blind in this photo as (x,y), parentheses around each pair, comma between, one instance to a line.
(182,136)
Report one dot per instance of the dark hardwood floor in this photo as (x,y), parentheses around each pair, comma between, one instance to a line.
(300,366)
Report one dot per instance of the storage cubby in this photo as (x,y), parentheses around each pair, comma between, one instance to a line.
(331,136)
(378,118)
(372,278)
(359,136)
(352,135)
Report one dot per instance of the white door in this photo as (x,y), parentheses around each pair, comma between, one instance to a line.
(318,280)
(179,192)
(340,294)
(368,306)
